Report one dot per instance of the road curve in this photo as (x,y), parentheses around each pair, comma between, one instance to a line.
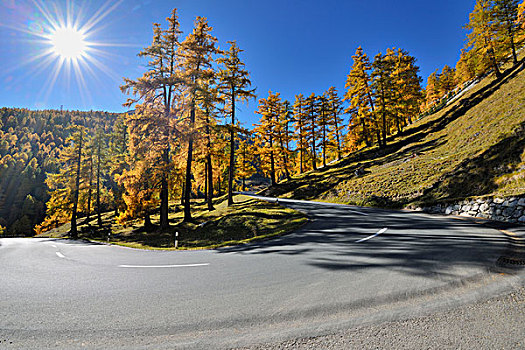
(348,266)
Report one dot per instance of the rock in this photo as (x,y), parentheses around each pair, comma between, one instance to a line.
(521,202)
(473,213)
(484,207)
(498,200)
(464,214)
(479,201)
(449,210)
(465,208)
(475,207)
(508,212)
(498,212)
(522,219)
(517,213)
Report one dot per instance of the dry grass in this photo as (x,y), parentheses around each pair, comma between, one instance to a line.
(473,147)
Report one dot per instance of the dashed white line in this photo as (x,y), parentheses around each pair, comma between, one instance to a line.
(60,255)
(383,230)
(162,266)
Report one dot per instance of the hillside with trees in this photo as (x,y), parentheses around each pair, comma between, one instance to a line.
(461,137)
(383,141)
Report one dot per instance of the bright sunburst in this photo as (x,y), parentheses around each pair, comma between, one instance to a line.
(68,43)
(64,44)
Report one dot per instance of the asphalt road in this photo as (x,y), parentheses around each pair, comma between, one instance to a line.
(347,267)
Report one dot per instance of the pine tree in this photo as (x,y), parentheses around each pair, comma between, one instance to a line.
(197,52)
(157,90)
(324,114)
(234,84)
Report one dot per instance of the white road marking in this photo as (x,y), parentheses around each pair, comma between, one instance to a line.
(53,245)
(60,255)
(383,230)
(162,266)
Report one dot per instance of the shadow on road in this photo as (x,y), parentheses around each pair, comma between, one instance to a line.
(415,244)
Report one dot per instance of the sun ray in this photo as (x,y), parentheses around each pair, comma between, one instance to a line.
(61,38)
(101,14)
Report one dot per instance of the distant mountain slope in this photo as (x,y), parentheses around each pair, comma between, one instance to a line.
(30,142)
(473,147)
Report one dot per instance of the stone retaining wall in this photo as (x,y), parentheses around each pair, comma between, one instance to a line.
(511,209)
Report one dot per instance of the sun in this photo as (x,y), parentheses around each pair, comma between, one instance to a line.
(68,43)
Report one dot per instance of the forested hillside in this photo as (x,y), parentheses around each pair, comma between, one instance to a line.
(30,146)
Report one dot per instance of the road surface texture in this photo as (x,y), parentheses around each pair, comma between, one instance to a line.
(348,267)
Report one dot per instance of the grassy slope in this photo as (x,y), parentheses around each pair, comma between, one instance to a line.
(473,147)
(247,220)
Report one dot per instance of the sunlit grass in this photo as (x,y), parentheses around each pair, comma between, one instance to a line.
(248,220)
(473,147)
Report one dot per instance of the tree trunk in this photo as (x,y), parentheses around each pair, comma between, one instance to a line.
(209,167)
(231,170)
(88,214)
(74,231)
(339,155)
(164,222)
(187,187)
(99,214)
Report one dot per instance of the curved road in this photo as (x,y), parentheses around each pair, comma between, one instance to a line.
(348,266)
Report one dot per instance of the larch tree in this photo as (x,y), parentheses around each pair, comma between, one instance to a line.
(432,89)
(483,36)
(65,186)
(245,160)
(323,122)
(197,52)
(382,85)
(300,116)
(334,120)
(506,15)
(360,99)
(157,90)
(266,133)
(234,84)
(407,92)
(447,81)
(284,136)
(312,127)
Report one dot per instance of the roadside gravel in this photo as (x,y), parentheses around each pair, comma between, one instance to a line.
(498,323)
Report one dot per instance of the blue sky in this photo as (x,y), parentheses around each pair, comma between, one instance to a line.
(291,46)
